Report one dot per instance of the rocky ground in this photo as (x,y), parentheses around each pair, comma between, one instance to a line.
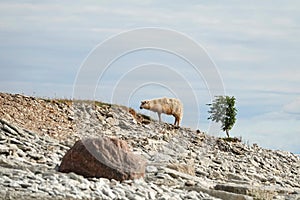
(181,163)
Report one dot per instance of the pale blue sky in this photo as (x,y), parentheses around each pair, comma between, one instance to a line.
(255,46)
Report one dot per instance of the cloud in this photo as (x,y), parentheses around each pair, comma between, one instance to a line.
(41,89)
(274,127)
(276,132)
(293,107)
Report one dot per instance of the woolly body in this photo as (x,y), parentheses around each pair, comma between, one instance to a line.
(169,106)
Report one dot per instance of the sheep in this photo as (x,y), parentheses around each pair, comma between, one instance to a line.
(169,106)
(138,117)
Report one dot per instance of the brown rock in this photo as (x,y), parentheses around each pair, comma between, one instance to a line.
(184,168)
(103,157)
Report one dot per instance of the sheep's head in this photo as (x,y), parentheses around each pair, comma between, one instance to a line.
(145,105)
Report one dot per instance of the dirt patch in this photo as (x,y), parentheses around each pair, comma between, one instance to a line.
(43,116)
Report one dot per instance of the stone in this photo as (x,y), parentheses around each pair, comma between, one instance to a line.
(103,158)
(232,176)
(152,194)
(190,183)
(112,121)
(124,125)
(184,168)
(36,156)
(151,169)
(256,192)
(4,150)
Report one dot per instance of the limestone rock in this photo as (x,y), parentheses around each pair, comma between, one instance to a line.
(103,158)
(257,192)
(188,168)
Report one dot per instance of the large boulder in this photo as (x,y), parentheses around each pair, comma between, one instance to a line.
(103,157)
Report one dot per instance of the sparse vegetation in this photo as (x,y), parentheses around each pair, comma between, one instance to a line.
(102,104)
(232,139)
(65,101)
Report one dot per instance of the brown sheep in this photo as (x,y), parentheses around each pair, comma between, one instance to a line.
(169,106)
(138,117)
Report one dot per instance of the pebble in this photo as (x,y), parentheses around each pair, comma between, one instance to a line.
(151,169)
(190,183)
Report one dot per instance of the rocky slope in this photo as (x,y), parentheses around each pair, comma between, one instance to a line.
(181,163)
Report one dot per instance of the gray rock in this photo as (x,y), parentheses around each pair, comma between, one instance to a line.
(256,192)
(112,121)
(190,183)
(151,169)
(4,149)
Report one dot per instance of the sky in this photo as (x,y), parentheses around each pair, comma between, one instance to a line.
(252,48)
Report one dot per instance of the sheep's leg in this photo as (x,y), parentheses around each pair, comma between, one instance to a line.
(159,117)
(176,120)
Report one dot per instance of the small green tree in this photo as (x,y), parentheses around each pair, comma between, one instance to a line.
(223,110)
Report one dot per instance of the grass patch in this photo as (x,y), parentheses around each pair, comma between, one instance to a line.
(102,104)
(64,101)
